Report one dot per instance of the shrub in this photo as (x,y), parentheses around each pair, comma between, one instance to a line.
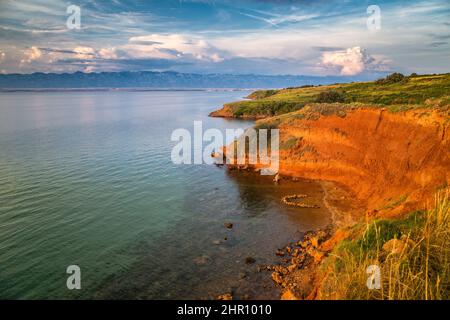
(392,78)
(330,97)
(261,94)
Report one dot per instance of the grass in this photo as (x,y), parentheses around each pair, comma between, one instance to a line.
(396,96)
(289,143)
(395,203)
(420,270)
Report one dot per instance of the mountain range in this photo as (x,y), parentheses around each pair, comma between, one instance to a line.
(167,79)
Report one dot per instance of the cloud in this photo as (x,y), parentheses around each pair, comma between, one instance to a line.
(324,48)
(31,54)
(349,62)
(172,46)
(438,44)
(108,53)
(84,52)
(2,56)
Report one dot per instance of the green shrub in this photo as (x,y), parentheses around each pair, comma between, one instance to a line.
(392,78)
(330,97)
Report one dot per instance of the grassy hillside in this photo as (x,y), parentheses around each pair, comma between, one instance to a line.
(396,92)
(412,253)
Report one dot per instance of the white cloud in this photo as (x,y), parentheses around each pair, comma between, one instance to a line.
(108,53)
(2,56)
(171,46)
(84,52)
(349,62)
(31,54)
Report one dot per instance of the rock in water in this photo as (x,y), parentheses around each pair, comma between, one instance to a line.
(228,225)
(202,260)
(250,260)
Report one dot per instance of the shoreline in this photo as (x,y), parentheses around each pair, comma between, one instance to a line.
(344,149)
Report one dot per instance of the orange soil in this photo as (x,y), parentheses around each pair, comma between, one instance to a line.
(392,162)
(387,163)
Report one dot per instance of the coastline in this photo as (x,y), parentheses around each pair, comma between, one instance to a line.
(344,150)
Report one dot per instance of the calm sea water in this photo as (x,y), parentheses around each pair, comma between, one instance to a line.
(86,178)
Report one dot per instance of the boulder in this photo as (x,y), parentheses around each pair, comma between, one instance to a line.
(288,295)
(250,260)
(226,296)
(277,277)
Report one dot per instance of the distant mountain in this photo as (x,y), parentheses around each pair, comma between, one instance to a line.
(149,79)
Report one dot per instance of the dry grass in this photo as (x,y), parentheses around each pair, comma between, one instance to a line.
(419,270)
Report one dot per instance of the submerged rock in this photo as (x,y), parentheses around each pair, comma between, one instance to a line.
(228,225)
(202,260)
(250,260)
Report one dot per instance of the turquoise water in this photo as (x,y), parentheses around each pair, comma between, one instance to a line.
(86,178)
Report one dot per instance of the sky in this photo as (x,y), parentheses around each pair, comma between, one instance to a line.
(321,37)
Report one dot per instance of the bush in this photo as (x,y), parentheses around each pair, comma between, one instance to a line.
(392,78)
(330,97)
(261,94)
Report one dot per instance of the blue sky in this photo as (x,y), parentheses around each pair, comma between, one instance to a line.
(210,36)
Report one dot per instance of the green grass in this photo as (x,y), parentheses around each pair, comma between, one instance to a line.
(289,143)
(395,203)
(411,92)
(380,231)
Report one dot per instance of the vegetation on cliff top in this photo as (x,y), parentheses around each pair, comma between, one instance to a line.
(395,92)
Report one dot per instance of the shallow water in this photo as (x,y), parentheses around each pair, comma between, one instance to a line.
(86,178)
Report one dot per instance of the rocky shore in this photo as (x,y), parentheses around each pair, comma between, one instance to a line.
(295,274)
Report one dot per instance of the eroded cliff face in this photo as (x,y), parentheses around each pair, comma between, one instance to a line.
(388,164)
(392,162)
